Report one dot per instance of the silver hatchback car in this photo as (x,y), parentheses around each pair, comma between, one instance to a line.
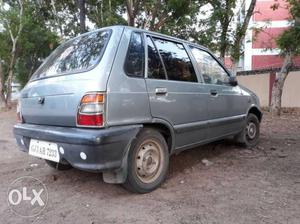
(121,100)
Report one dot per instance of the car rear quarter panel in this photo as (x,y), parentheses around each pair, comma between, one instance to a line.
(127,97)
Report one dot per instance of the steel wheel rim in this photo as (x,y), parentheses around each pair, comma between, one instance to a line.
(251,130)
(148,161)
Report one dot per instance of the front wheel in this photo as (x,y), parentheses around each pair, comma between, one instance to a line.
(148,162)
(249,137)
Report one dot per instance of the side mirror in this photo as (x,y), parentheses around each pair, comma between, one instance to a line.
(233,81)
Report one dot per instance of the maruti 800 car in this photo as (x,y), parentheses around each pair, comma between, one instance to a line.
(121,100)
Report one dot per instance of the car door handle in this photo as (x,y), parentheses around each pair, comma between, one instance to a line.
(213,92)
(161,91)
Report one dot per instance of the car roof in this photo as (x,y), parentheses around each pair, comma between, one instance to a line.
(152,33)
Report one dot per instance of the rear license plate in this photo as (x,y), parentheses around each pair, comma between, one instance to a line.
(44,150)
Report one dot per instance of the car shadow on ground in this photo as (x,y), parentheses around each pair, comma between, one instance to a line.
(195,156)
(185,160)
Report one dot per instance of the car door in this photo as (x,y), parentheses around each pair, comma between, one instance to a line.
(226,103)
(174,92)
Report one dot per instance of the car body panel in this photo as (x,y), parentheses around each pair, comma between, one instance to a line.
(229,103)
(127,97)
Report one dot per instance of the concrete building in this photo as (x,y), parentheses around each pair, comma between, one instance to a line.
(261,53)
(260,47)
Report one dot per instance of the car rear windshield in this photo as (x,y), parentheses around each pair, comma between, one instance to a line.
(76,55)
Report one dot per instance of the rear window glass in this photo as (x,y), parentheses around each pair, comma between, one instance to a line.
(76,55)
(134,64)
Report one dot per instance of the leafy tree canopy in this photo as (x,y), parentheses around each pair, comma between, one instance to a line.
(289,41)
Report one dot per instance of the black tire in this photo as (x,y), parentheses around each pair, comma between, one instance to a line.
(58,166)
(146,147)
(249,137)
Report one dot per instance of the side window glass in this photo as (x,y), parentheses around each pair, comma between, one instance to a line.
(134,63)
(155,66)
(210,69)
(176,60)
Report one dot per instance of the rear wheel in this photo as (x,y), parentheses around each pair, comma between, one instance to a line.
(249,137)
(58,166)
(148,162)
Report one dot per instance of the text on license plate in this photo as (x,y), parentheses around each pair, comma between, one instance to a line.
(44,150)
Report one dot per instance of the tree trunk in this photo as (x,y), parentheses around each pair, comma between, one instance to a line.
(109,6)
(131,21)
(2,97)
(222,56)
(10,73)
(161,21)
(101,13)
(81,6)
(130,12)
(223,41)
(241,32)
(234,68)
(224,33)
(57,19)
(13,55)
(278,85)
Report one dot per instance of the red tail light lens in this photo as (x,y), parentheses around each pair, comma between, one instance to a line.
(90,120)
(19,117)
(19,114)
(91,110)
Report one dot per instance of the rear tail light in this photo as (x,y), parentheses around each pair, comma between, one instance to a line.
(19,117)
(19,114)
(91,110)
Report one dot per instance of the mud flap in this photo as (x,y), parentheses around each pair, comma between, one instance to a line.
(118,176)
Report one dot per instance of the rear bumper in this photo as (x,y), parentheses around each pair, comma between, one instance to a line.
(105,148)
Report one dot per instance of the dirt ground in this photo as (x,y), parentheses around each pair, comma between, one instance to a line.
(259,185)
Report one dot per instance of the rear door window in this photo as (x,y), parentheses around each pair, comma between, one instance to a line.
(155,65)
(76,55)
(134,63)
(176,60)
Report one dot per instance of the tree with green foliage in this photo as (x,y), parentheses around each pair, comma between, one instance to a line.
(106,12)
(25,41)
(32,51)
(4,58)
(66,18)
(181,20)
(12,21)
(219,25)
(289,44)
(161,15)
(223,26)
(239,36)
